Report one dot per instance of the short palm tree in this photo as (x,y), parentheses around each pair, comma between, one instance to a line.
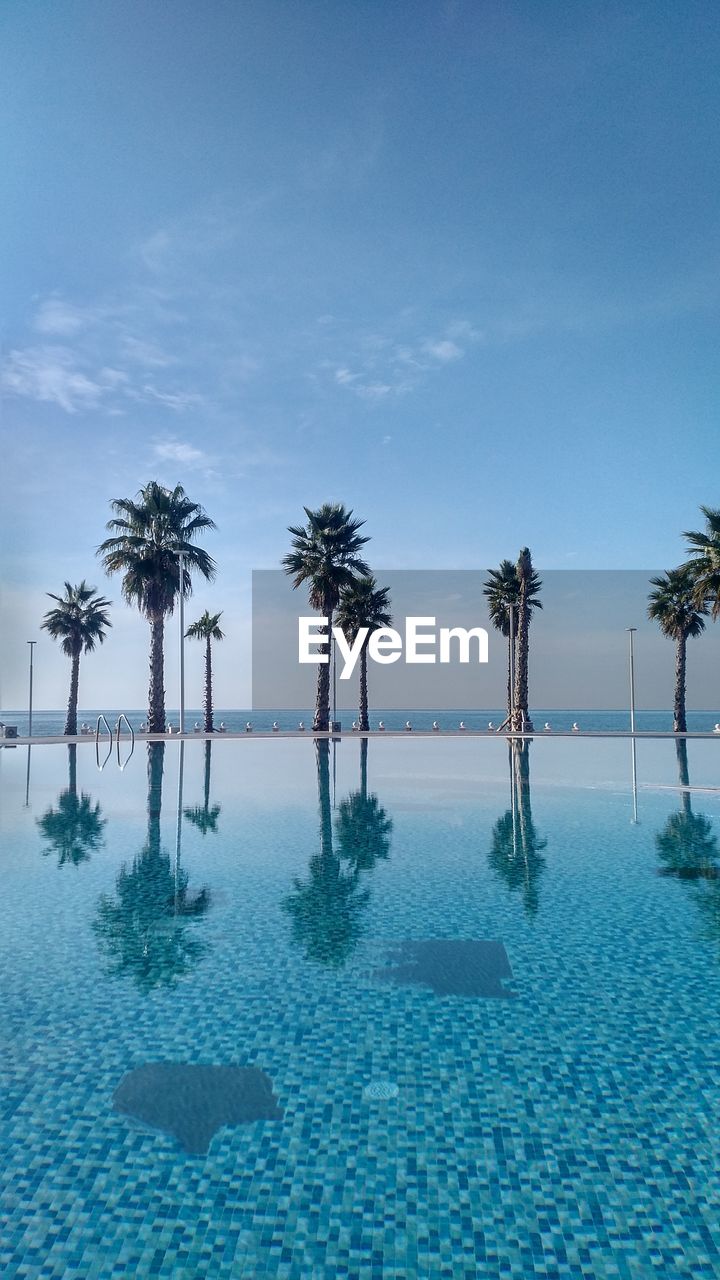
(206,628)
(673,605)
(325,557)
(148,534)
(79,621)
(704,565)
(502,590)
(363,604)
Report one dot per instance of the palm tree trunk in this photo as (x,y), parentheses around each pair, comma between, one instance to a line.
(323,762)
(321,723)
(521,720)
(71,717)
(683,773)
(208,750)
(209,727)
(156,758)
(364,721)
(679,718)
(156,695)
(509,678)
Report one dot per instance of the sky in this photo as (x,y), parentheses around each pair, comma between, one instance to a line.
(453,264)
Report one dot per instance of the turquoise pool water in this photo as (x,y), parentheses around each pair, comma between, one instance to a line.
(465,1008)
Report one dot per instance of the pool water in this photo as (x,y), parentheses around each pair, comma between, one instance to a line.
(425,1008)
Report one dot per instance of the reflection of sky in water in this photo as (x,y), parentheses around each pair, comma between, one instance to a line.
(255,941)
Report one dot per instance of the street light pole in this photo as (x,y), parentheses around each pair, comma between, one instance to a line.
(32,643)
(631,631)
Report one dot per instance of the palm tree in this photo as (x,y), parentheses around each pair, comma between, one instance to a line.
(143,930)
(704,566)
(325,556)
(516,854)
(79,621)
(363,604)
(528,588)
(674,605)
(206,628)
(205,816)
(362,826)
(74,829)
(148,534)
(326,909)
(502,590)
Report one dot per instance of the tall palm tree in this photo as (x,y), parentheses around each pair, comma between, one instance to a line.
(79,621)
(206,628)
(704,564)
(363,604)
(674,606)
(148,533)
(502,590)
(528,588)
(325,556)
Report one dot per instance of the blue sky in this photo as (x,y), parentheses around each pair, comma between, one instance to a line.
(454,264)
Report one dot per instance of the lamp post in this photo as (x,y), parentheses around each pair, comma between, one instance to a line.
(32,643)
(631,631)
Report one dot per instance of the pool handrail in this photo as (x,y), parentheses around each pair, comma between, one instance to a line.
(97,742)
(122,716)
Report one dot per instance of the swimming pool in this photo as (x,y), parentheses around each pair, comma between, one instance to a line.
(468,1004)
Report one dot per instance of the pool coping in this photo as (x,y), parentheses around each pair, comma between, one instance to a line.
(309,734)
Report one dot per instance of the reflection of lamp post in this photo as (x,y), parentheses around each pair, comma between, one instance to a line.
(631,631)
(178,826)
(32,643)
(633,754)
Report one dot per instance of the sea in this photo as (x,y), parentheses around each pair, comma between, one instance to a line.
(47,723)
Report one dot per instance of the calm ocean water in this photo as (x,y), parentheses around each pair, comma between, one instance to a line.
(52,722)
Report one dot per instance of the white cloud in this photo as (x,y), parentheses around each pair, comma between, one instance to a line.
(178,451)
(59,318)
(177,400)
(51,374)
(145,353)
(443,350)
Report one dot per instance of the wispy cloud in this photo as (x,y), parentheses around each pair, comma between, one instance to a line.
(396,362)
(179,451)
(146,353)
(61,319)
(443,350)
(51,374)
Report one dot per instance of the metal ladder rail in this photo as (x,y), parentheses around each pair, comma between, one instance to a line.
(122,716)
(97,742)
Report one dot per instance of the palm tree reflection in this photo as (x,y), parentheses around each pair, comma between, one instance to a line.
(74,829)
(687,844)
(327,907)
(143,930)
(203,816)
(516,853)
